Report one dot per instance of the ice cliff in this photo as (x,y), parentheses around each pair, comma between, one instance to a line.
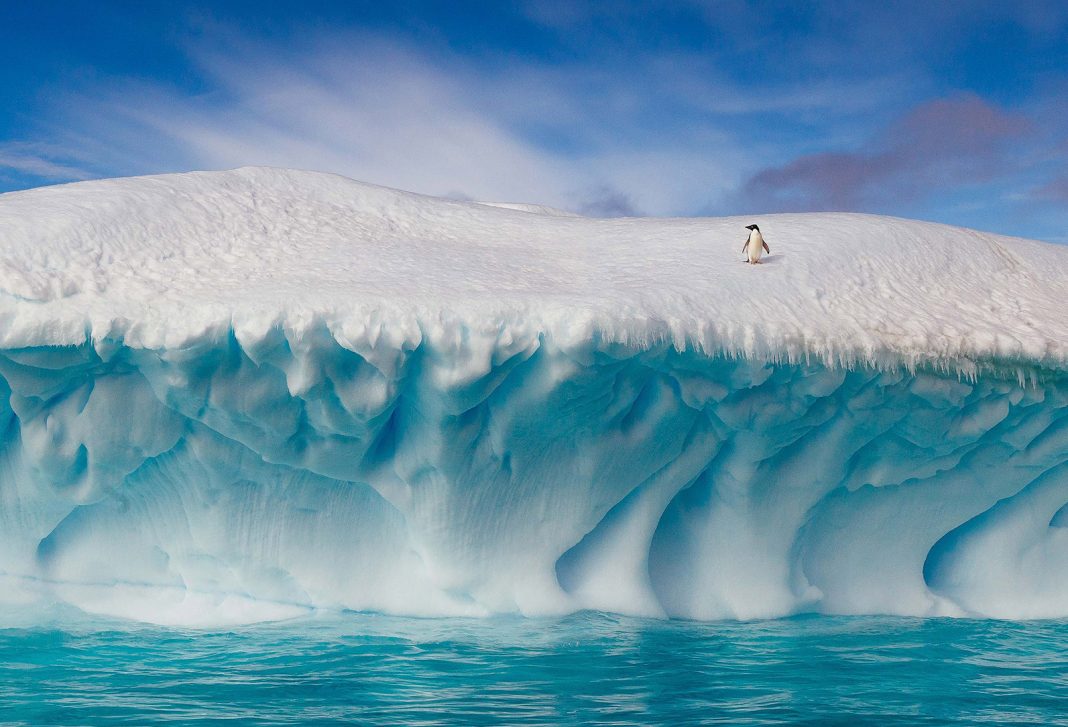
(242,395)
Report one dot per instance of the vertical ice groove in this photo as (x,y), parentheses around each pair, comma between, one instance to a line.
(489,471)
(1009,560)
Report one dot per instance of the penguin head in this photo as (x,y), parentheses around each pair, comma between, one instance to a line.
(752,227)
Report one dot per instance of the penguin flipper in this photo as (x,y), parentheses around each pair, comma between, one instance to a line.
(768,249)
(745,245)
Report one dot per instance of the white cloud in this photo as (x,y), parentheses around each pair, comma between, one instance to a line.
(385,113)
(33,160)
(668,133)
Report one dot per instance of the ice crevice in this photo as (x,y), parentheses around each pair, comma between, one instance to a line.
(525,477)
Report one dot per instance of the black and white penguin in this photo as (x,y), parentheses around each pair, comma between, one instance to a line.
(752,246)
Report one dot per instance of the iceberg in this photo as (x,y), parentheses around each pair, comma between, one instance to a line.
(245,395)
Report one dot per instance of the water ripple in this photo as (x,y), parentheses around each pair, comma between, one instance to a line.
(583,669)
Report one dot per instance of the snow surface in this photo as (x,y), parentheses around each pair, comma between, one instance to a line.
(159,261)
(243,395)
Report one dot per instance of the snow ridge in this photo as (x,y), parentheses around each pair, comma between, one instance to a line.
(162,262)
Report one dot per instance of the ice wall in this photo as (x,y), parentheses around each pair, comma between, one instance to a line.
(236,480)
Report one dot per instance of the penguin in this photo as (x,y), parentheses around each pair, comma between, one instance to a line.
(753,244)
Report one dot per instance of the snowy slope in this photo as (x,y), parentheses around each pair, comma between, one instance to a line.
(243,395)
(158,260)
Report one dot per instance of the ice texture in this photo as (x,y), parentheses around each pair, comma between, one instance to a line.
(243,395)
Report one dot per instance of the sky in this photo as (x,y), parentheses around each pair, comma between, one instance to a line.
(955,112)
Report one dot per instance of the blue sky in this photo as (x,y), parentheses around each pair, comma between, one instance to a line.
(955,112)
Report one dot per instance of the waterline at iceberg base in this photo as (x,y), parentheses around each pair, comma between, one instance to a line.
(241,480)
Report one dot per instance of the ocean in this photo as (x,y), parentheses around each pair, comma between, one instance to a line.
(587,668)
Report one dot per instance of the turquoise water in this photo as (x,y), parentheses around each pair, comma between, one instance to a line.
(583,669)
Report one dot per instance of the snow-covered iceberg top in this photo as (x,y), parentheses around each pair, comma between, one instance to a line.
(158,262)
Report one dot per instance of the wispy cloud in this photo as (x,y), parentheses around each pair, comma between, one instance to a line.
(609,202)
(34,161)
(669,132)
(939,145)
(1054,191)
(384,112)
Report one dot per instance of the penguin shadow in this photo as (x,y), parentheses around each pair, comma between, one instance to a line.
(774,259)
